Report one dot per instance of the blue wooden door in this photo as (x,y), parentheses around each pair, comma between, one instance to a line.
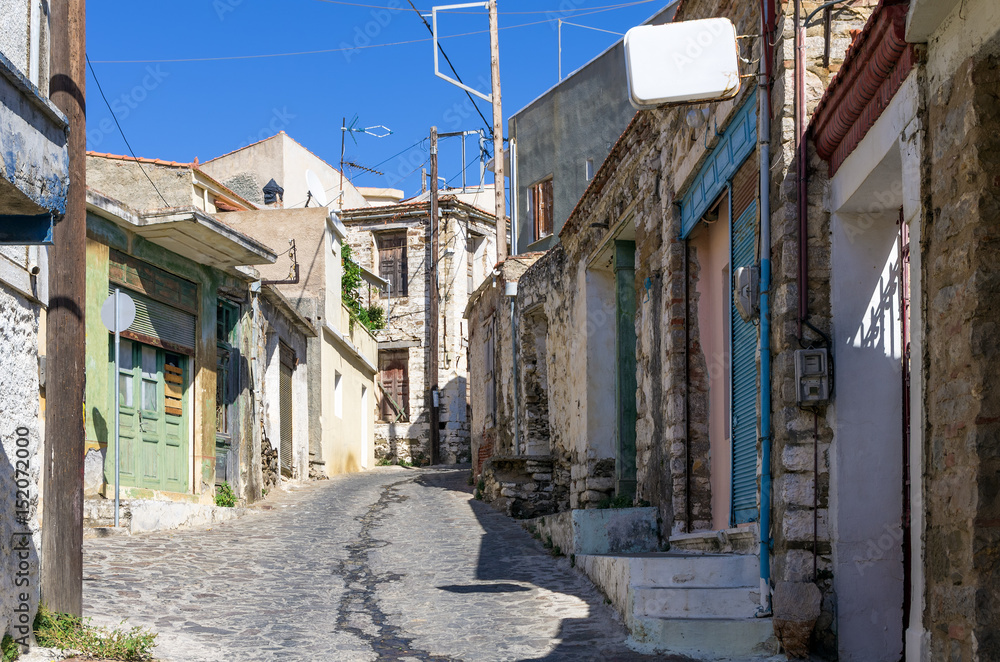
(744,381)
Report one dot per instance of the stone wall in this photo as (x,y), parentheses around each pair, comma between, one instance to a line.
(408,327)
(520,486)
(961,300)
(21,461)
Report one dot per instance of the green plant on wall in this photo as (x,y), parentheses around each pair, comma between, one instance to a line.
(224,496)
(373,316)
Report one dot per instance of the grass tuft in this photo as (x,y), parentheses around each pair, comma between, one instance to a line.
(68,632)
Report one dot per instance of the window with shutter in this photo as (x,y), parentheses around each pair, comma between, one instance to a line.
(392,261)
(540,201)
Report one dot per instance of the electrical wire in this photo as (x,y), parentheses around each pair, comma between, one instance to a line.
(467,165)
(510,13)
(335,50)
(131,151)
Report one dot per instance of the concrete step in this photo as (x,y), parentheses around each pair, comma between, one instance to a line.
(674,569)
(742,639)
(695,602)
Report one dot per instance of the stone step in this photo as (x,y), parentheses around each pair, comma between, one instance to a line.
(744,639)
(695,602)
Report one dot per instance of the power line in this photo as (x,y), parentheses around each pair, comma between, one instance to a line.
(452,67)
(137,162)
(550,11)
(474,159)
(341,50)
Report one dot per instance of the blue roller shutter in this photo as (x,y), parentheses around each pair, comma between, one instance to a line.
(744,381)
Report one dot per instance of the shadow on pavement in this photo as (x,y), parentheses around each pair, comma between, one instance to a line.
(503,551)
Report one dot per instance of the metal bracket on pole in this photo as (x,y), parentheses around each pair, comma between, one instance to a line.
(437,71)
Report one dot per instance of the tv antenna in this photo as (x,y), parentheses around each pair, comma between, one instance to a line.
(376,131)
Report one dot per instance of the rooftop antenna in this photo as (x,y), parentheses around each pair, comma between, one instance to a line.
(377,131)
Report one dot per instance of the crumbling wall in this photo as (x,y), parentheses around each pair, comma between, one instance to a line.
(20,461)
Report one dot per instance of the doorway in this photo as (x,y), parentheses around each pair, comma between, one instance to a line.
(153,414)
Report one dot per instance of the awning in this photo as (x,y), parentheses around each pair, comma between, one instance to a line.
(187,231)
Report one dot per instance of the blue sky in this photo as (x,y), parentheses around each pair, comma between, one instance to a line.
(181,110)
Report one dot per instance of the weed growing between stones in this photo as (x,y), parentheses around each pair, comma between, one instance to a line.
(10,650)
(68,632)
(224,496)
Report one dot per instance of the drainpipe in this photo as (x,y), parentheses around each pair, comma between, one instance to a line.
(764,139)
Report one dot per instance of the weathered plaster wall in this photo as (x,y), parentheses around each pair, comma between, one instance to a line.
(202,389)
(14,30)
(277,329)
(20,461)
(348,436)
(124,180)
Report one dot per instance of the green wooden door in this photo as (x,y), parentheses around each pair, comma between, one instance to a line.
(625,380)
(153,418)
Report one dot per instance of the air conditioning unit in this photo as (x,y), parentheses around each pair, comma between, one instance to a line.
(746,292)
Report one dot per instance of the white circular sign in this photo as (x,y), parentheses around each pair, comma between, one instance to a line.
(126,312)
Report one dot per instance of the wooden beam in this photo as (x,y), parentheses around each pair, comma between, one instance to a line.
(432,313)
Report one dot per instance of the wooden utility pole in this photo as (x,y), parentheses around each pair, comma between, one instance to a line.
(432,331)
(498,179)
(62,521)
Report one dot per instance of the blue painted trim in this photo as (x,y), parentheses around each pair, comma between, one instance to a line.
(736,143)
(22,230)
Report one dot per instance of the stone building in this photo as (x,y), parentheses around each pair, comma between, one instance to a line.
(394,241)
(880,487)
(34,180)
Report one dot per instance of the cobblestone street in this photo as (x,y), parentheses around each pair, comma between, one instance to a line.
(397,564)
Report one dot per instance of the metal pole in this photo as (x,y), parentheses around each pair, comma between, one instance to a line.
(343,132)
(463,161)
(513,354)
(432,364)
(62,462)
(117,380)
(498,178)
(560,49)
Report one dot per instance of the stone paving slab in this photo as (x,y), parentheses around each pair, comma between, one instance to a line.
(393,564)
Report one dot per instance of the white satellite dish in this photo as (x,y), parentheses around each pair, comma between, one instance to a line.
(316,190)
(687,61)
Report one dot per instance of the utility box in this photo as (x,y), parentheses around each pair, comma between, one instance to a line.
(812,376)
(746,292)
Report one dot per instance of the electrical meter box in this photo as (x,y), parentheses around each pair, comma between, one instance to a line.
(812,376)
(746,292)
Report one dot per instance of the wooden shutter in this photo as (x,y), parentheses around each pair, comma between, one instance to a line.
(547,207)
(392,261)
(285,412)
(395,380)
(540,201)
